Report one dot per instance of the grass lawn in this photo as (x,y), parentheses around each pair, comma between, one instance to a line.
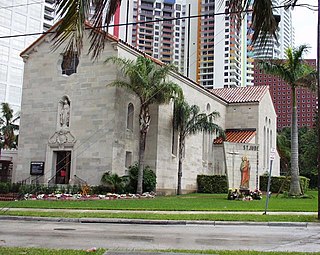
(191,202)
(40,251)
(156,216)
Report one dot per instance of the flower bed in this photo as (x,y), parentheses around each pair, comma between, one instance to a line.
(244,196)
(78,196)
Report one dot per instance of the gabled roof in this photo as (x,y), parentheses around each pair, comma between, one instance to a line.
(228,95)
(111,38)
(52,31)
(237,136)
(249,94)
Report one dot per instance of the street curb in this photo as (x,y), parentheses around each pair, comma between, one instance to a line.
(160,222)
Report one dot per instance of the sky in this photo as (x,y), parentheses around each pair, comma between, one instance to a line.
(305,24)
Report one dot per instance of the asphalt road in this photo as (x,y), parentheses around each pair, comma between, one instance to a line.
(75,235)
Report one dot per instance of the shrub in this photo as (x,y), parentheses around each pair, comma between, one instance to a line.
(113,181)
(149,179)
(15,187)
(4,187)
(100,189)
(313,183)
(277,181)
(212,184)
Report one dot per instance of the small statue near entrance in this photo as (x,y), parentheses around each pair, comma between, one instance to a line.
(245,173)
(65,113)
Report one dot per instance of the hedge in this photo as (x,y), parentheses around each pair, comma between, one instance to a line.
(212,184)
(276,182)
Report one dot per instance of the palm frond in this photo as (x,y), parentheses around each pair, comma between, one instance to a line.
(276,67)
(74,14)
(263,20)
(103,13)
(189,121)
(308,79)
(293,70)
(146,79)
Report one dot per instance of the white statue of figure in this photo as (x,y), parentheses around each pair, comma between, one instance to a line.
(65,114)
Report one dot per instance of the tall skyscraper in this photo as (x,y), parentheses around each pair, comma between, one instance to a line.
(18,18)
(49,16)
(217,48)
(163,40)
(208,46)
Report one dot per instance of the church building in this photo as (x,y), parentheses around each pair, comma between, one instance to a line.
(74,127)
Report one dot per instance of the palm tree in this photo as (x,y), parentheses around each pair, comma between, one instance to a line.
(295,72)
(188,120)
(114,181)
(148,81)
(8,127)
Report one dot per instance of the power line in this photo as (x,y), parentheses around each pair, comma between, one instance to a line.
(19,5)
(154,21)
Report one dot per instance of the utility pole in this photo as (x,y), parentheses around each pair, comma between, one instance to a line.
(318,87)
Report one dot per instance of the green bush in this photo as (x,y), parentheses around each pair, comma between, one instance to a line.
(277,181)
(212,184)
(100,190)
(15,187)
(114,182)
(45,189)
(313,183)
(149,179)
(4,187)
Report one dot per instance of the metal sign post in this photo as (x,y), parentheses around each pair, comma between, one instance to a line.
(272,157)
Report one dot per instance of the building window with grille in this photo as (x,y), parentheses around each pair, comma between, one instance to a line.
(70,63)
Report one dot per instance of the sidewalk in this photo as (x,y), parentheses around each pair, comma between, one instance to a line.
(155,222)
(154,212)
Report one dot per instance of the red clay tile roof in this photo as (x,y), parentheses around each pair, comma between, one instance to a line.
(247,94)
(237,136)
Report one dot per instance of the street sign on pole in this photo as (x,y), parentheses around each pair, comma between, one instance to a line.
(272,157)
(272,154)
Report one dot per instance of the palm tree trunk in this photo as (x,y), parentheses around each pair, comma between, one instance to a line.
(181,148)
(295,189)
(144,127)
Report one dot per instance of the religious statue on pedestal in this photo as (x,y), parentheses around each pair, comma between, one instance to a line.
(245,173)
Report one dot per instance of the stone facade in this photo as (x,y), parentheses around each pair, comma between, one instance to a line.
(96,138)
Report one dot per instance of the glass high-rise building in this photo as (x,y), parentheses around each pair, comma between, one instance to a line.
(19,17)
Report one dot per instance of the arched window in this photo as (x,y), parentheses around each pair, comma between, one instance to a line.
(205,138)
(264,148)
(208,108)
(130,116)
(268,147)
(174,137)
(69,63)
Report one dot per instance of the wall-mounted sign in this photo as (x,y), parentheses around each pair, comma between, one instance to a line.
(37,167)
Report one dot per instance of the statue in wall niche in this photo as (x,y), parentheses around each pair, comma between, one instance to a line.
(245,173)
(65,114)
